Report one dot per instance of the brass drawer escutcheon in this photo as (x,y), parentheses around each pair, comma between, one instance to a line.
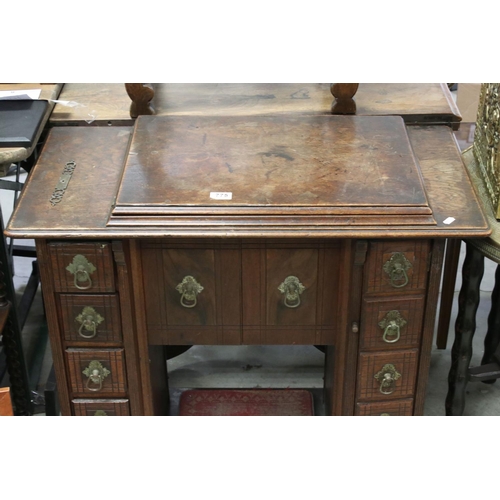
(89,319)
(100,413)
(387,378)
(392,324)
(189,288)
(81,268)
(96,374)
(291,288)
(397,268)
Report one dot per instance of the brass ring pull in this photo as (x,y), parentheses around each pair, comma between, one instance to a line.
(292,289)
(189,288)
(81,268)
(397,268)
(85,277)
(93,330)
(96,374)
(89,319)
(387,378)
(388,332)
(392,324)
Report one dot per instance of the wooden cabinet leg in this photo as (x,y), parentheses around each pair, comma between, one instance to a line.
(447,291)
(465,326)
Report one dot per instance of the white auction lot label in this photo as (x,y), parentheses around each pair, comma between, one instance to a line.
(221,196)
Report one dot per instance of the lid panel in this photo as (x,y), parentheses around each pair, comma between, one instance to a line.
(264,164)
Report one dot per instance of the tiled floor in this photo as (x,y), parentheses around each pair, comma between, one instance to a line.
(286,366)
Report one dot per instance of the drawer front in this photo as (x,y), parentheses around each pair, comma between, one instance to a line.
(179,286)
(244,292)
(91,319)
(82,267)
(97,373)
(291,286)
(391,323)
(101,407)
(403,408)
(385,376)
(397,266)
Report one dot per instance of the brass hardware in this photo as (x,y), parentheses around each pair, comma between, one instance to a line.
(385,414)
(387,378)
(392,324)
(486,145)
(291,288)
(354,327)
(397,268)
(96,373)
(89,319)
(63,183)
(81,268)
(100,413)
(189,288)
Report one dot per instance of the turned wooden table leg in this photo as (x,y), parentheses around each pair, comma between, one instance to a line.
(465,326)
(141,95)
(492,339)
(344,103)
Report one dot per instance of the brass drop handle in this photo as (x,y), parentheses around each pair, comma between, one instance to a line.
(397,268)
(387,378)
(89,319)
(292,289)
(392,324)
(100,413)
(189,288)
(81,269)
(96,374)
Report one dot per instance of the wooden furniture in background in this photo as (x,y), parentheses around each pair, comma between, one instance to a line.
(109,104)
(482,161)
(5,403)
(343,249)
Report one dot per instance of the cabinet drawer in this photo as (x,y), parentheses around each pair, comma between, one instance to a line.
(101,407)
(384,376)
(91,319)
(250,292)
(397,266)
(391,323)
(403,408)
(82,267)
(97,373)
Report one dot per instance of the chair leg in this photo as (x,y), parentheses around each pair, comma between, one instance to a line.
(447,291)
(492,339)
(465,326)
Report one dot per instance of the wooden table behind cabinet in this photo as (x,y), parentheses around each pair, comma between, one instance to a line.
(352,208)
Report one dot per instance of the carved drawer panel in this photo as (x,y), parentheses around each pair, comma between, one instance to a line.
(180,286)
(397,266)
(385,376)
(101,407)
(97,373)
(403,408)
(388,323)
(249,292)
(82,267)
(91,319)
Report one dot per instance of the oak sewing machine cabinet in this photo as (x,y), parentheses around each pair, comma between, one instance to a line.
(277,229)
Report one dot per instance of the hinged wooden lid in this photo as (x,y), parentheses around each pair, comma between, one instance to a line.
(356,169)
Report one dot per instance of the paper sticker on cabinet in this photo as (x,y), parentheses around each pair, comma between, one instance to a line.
(449,220)
(221,196)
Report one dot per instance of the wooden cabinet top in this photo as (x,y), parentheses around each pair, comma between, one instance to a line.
(322,176)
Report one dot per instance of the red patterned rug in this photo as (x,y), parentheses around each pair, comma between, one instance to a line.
(246,402)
